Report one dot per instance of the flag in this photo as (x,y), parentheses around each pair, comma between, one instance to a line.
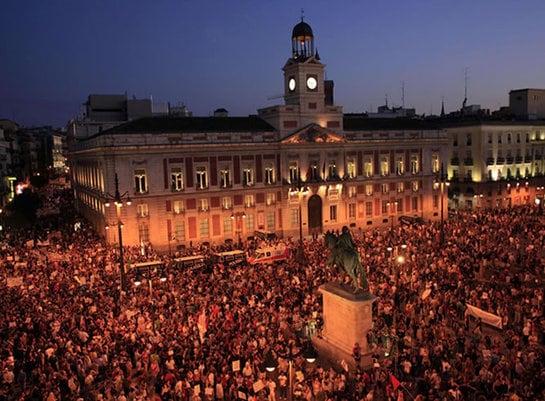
(394,381)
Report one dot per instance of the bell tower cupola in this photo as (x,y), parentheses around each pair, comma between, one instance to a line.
(302,41)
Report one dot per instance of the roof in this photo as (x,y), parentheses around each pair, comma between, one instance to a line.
(359,122)
(166,124)
(302,29)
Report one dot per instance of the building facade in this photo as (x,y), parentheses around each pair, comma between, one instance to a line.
(296,169)
(527,104)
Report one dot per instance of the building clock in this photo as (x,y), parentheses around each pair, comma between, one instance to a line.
(291,84)
(312,83)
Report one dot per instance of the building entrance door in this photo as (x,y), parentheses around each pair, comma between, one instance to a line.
(315,215)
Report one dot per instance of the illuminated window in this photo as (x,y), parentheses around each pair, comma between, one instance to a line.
(269,174)
(270,198)
(271,218)
(385,188)
(351,168)
(248,176)
(414,164)
(203,205)
(369,209)
(292,171)
(142,210)
(385,205)
(225,177)
(314,171)
(140,181)
(368,189)
(294,218)
(400,187)
(226,202)
(435,167)
(176,179)
(249,223)
(332,169)
(249,200)
(415,186)
(352,191)
(368,167)
(202,177)
(400,165)
(178,206)
(384,168)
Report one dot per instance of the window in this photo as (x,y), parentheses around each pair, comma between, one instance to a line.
(499,138)
(269,174)
(368,167)
(385,188)
(294,218)
(176,179)
(352,191)
(227,225)
(178,206)
(271,218)
(527,138)
(202,177)
(203,205)
(508,138)
(248,176)
(415,203)
(249,200)
(400,187)
(384,166)
(249,223)
(226,202)
(414,164)
(225,177)
(332,169)
(292,170)
(468,139)
(204,230)
(368,189)
(270,198)
(142,210)
(435,201)
(140,182)
(518,137)
(313,176)
(400,165)
(143,232)
(435,167)
(415,186)
(489,138)
(333,213)
(455,140)
(399,205)
(369,209)
(351,168)
(385,205)
(351,210)
(179,230)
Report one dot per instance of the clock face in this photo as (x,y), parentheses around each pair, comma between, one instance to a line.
(291,84)
(312,83)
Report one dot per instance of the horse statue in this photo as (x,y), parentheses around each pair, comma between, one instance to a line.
(343,253)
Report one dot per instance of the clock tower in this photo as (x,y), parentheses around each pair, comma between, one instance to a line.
(303,72)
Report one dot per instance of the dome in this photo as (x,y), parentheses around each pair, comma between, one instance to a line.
(302,29)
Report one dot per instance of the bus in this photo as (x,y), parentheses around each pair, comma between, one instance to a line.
(189,262)
(229,258)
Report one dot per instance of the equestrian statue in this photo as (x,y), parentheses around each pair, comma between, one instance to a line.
(343,253)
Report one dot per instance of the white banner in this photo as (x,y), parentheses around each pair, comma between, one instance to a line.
(486,317)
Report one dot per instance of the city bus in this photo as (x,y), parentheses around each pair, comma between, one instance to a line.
(229,258)
(189,262)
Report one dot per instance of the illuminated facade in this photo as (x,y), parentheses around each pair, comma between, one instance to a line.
(302,167)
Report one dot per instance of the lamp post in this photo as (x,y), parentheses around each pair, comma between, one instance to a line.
(440,184)
(118,200)
(149,271)
(392,212)
(300,190)
(397,259)
(238,218)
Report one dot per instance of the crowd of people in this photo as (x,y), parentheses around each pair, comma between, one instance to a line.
(68,333)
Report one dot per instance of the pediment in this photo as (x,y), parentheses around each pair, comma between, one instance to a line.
(313,133)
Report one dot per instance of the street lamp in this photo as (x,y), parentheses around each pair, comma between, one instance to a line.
(440,183)
(118,200)
(397,259)
(238,217)
(149,271)
(392,212)
(300,190)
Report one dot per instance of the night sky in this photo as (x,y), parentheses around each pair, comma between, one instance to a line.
(229,53)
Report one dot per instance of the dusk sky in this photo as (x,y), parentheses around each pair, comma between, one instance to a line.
(229,53)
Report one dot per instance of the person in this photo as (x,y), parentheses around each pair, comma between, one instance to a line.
(345,240)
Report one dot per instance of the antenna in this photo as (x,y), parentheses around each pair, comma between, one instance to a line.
(465,88)
(403,94)
(386,99)
(302,14)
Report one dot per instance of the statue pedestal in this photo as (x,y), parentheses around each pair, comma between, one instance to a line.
(347,319)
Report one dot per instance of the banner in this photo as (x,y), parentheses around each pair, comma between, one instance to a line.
(486,317)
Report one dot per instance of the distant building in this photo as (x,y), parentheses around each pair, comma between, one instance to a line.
(527,104)
(394,112)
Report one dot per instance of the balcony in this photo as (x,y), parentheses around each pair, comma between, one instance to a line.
(509,159)
(468,161)
(500,160)
(519,159)
(490,161)
(455,161)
